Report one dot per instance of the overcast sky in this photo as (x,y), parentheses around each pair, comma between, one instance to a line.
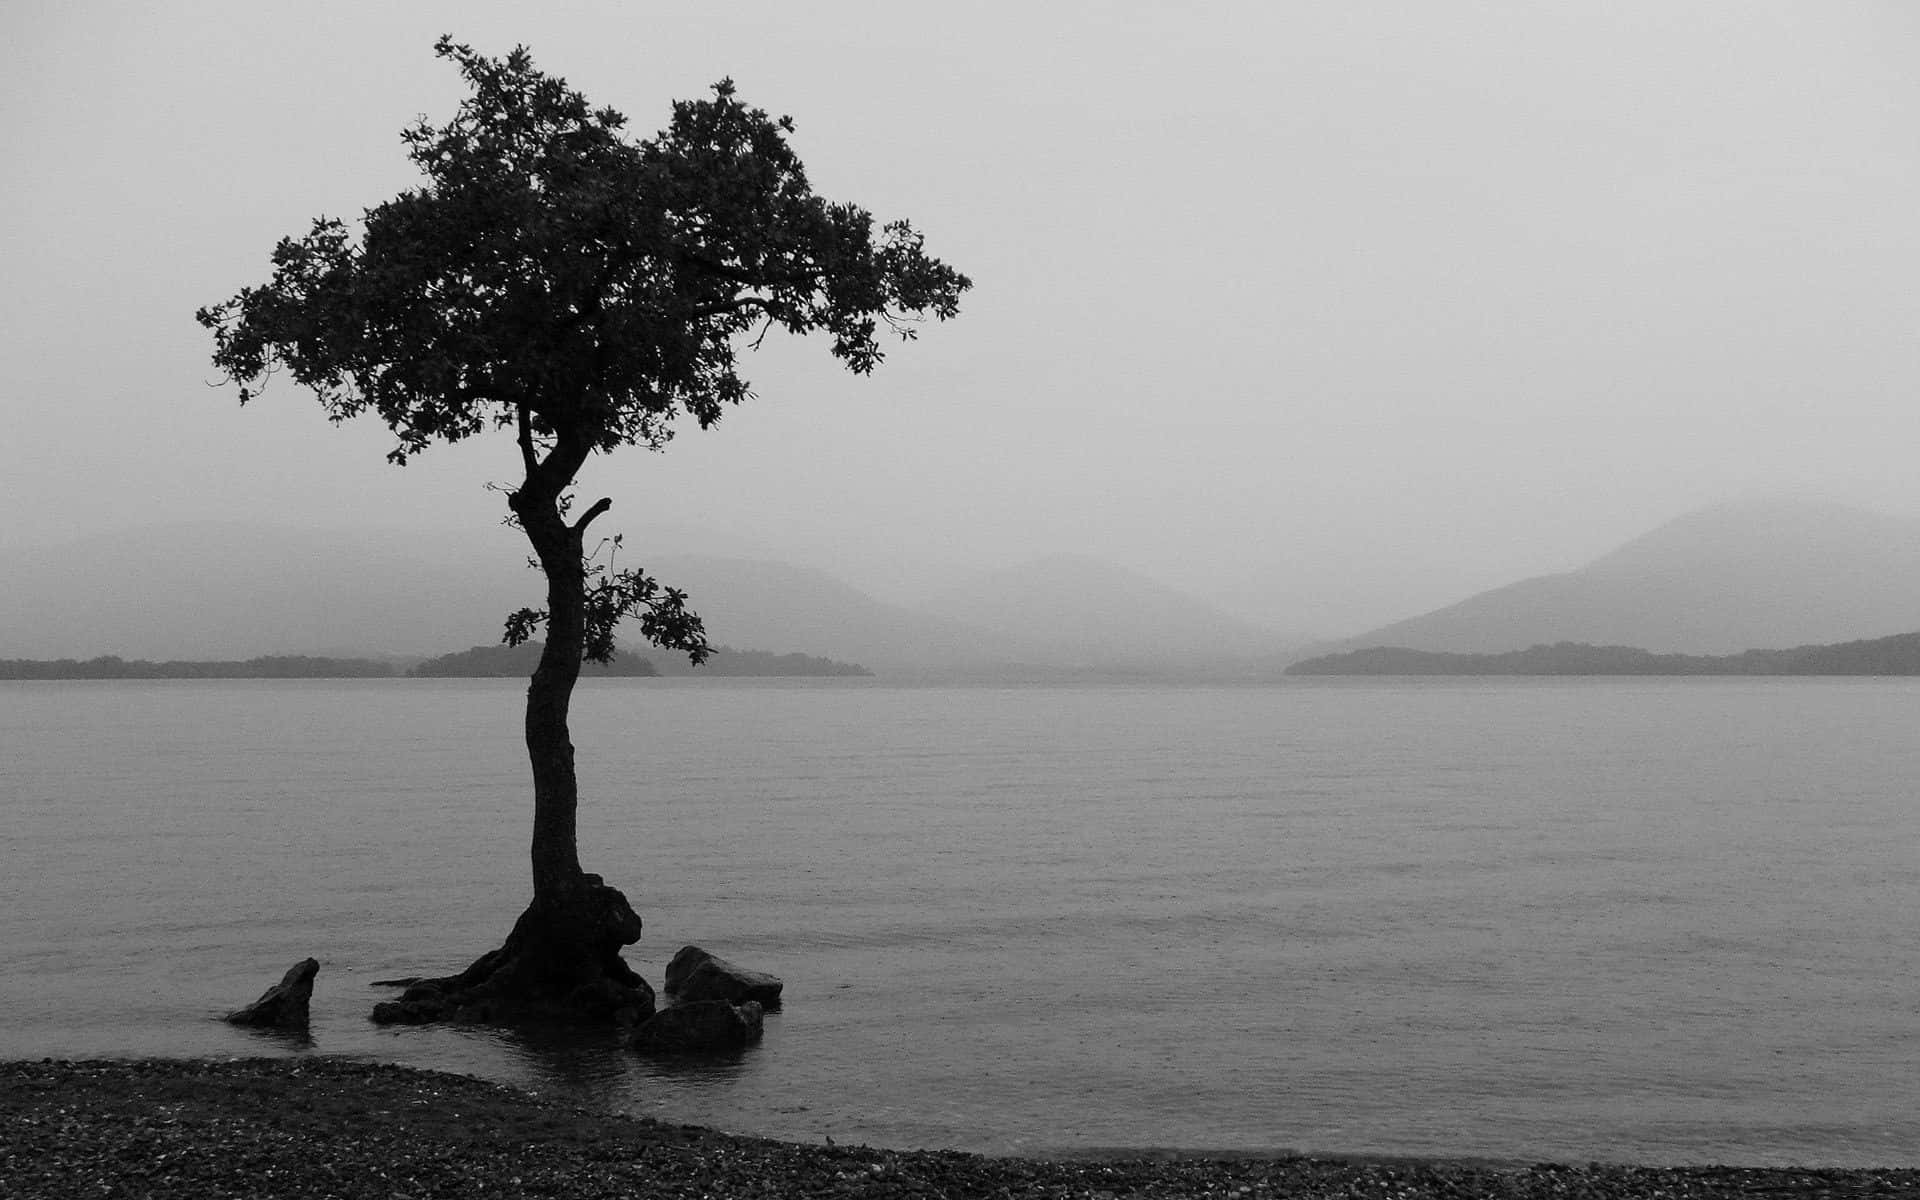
(1337,311)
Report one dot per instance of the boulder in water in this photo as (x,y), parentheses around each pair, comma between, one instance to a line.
(695,975)
(284,1005)
(699,1027)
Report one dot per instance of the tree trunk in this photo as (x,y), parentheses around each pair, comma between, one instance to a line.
(562,961)
(556,790)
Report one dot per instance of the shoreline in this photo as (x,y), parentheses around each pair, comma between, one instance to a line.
(316,1126)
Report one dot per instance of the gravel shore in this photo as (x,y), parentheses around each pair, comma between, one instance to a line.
(318,1127)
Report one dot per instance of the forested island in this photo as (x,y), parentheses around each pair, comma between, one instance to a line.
(725,660)
(504,662)
(112,666)
(1896,655)
(490,662)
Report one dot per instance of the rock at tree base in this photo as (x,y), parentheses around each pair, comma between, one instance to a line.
(560,965)
(622,1002)
(695,974)
(284,1005)
(700,1027)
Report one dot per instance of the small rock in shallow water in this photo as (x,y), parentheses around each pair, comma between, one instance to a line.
(694,974)
(699,1027)
(683,962)
(284,1005)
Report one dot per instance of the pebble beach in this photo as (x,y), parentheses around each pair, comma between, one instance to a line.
(314,1127)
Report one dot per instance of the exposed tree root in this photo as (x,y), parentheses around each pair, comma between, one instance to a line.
(561,964)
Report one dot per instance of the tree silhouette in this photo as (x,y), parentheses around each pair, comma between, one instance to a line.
(555,280)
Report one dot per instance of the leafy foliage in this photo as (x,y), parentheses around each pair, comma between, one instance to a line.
(550,265)
(611,597)
(554,277)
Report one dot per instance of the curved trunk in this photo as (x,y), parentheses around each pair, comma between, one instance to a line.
(556,790)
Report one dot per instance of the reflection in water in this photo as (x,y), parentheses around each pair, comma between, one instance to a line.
(712,1070)
(285,1041)
(586,1066)
(594,1067)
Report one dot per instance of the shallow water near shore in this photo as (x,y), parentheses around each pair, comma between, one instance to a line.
(1657,920)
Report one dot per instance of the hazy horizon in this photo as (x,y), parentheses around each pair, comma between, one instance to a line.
(1327,315)
(1765,574)
(915,584)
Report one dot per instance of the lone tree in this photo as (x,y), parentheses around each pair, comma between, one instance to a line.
(553,277)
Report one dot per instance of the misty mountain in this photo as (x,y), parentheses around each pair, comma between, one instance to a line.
(1777,572)
(219,590)
(231,590)
(754,602)
(1070,611)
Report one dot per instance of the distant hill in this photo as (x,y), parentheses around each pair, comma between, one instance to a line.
(1071,611)
(754,602)
(229,590)
(1896,655)
(225,590)
(1764,573)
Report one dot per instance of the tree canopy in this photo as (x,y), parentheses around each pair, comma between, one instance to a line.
(555,275)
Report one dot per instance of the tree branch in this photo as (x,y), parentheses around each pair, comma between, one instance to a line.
(599,506)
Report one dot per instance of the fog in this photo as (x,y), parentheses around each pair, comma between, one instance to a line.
(1327,312)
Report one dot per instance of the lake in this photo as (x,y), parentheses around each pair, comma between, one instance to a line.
(1662,920)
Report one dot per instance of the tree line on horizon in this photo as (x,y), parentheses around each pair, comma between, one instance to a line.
(501,661)
(276,666)
(479,662)
(1887,656)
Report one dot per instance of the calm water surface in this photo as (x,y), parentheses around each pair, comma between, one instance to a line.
(1662,920)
